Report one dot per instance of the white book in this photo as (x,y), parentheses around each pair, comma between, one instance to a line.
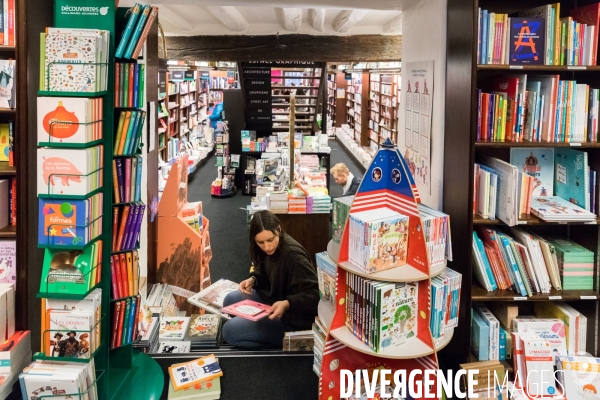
(508,176)
(494,325)
(173,328)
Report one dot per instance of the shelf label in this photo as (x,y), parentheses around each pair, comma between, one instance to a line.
(521,222)
(519,298)
(576,67)
(515,67)
(587,297)
(574,144)
(562,222)
(554,297)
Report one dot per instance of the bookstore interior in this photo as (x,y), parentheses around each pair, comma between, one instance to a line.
(253,201)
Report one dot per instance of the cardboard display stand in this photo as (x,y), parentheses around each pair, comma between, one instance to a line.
(183,253)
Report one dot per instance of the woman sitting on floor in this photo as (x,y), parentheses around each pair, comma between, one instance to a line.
(283,277)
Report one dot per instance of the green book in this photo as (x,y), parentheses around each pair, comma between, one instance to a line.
(209,390)
(138,137)
(68,271)
(137,32)
(128,132)
(568,250)
(133,124)
(142,79)
(125,80)
(126,322)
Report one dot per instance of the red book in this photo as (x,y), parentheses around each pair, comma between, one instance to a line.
(485,98)
(124,276)
(117,81)
(114,279)
(115,325)
(589,15)
(140,44)
(119,327)
(114,228)
(510,86)
(11,22)
(130,88)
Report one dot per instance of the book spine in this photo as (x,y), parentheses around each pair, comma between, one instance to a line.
(115,226)
(118,67)
(11,22)
(2,26)
(138,226)
(123,224)
(137,317)
(125,91)
(131,319)
(116,319)
(138,181)
(142,83)
(113,278)
(125,327)
(130,85)
(137,31)
(135,12)
(144,35)
(117,197)
(128,226)
(125,305)
(123,275)
(127,179)
(136,85)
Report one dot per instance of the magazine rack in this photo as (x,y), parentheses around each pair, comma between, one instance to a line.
(119,372)
(183,253)
(386,184)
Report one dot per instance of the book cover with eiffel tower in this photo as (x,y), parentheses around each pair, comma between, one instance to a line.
(527,41)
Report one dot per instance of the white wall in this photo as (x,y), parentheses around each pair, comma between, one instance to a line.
(424,39)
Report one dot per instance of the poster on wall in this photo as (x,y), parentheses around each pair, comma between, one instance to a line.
(417,106)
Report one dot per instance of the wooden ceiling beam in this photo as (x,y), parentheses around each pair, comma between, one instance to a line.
(229,16)
(290,18)
(347,19)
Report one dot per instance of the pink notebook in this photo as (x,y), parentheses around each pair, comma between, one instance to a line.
(248,309)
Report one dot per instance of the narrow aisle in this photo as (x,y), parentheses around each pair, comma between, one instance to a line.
(340,154)
(227,225)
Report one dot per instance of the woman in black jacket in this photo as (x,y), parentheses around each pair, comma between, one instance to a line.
(284,277)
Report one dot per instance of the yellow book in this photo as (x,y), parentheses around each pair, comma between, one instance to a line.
(129,258)
(115,182)
(504,114)
(497,121)
(119,130)
(136,273)
(129,120)
(557,33)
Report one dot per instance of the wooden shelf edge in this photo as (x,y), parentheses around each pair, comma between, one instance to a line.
(479,293)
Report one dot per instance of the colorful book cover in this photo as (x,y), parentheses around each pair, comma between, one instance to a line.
(140,44)
(64,119)
(144,13)
(8,261)
(326,273)
(70,271)
(581,377)
(5,140)
(397,314)
(215,293)
(538,163)
(192,373)
(340,209)
(204,390)
(7,84)
(173,328)
(528,38)
(69,172)
(570,175)
(69,334)
(133,12)
(248,309)
(203,327)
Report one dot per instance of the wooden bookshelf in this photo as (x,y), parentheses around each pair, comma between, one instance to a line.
(464,77)
(383,108)
(357,106)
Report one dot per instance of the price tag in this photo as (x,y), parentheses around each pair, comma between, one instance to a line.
(587,297)
(562,222)
(521,222)
(574,144)
(519,298)
(554,297)
(576,67)
(515,67)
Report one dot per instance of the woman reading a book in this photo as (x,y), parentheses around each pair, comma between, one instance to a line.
(282,277)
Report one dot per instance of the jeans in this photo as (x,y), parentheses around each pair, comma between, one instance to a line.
(252,335)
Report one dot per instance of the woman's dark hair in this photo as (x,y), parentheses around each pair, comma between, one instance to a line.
(263,221)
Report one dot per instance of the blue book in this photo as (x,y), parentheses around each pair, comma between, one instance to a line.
(484,36)
(536,162)
(135,144)
(133,124)
(486,262)
(135,36)
(136,85)
(134,13)
(570,176)
(138,180)
(63,222)
(131,320)
(502,345)
(565,107)
(511,264)
(480,337)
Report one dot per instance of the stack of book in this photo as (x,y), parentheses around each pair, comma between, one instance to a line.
(138,26)
(69,120)
(125,321)
(318,204)
(575,263)
(124,274)
(203,331)
(127,179)
(15,355)
(128,135)
(445,295)
(129,85)
(69,172)
(196,379)
(74,60)
(570,40)
(296,202)
(147,334)
(436,228)
(44,378)
(278,202)
(161,301)
(320,336)
(557,209)
(378,239)
(71,271)
(69,222)
(71,328)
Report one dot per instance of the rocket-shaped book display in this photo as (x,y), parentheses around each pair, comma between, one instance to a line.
(393,331)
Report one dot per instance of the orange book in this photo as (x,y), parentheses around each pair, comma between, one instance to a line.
(43,323)
(46,335)
(145,32)
(122,227)
(98,262)
(120,136)
(120,324)
(136,272)
(129,258)
(11,23)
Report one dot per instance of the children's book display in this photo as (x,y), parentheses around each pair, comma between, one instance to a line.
(185,252)
(84,325)
(382,314)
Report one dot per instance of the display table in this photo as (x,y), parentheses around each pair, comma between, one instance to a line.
(312,231)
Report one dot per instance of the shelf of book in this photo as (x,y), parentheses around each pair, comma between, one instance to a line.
(544,68)
(529,219)
(479,293)
(589,145)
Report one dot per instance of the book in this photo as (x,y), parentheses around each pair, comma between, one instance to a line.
(173,328)
(555,208)
(538,163)
(140,43)
(208,390)
(340,211)
(211,298)
(68,120)
(133,16)
(135,35)
(248,309)
(188,374)
(8,85)
(570,178)
(203,327)
(170,347)
(326,274)
(8,261)
(528,41)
